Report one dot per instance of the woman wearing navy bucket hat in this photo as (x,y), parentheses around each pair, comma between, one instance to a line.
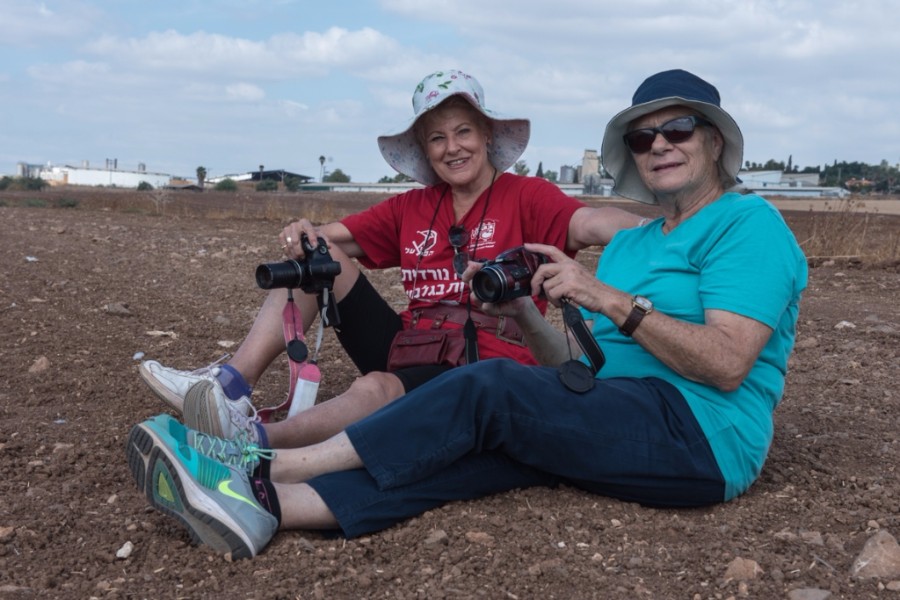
(469,209)
(696,341)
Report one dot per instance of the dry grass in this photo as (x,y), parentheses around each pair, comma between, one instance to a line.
(279,207)
(840,229)
(848,229)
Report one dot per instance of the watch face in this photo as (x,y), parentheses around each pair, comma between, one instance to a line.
(643,303)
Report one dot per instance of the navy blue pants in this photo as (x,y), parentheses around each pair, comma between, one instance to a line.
(498,425)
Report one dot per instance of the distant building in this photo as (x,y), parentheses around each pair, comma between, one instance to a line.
(110,175)
(778,183)
(567,174)
(591,177)
(271,175)
(590,163)
(800,179)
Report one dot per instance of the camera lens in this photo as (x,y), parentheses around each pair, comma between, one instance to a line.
(287,274)
(489,284)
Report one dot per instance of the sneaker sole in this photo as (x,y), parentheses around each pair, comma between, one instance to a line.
(170,489)
(163,393)
(201,412)
(137,451)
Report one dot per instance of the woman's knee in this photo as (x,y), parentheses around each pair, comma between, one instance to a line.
(377,384)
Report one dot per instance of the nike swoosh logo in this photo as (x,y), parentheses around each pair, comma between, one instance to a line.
(225,488)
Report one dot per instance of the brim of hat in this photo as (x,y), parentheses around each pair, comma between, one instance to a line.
(619,163)
(403,152)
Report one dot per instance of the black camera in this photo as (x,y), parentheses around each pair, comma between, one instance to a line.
(508,276)
(313,274)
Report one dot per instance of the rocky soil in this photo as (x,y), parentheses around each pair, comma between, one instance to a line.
(92,282)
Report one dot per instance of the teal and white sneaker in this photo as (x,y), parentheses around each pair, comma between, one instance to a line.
(215,502)
(238,452)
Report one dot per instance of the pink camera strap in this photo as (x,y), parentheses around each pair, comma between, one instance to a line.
(292,325)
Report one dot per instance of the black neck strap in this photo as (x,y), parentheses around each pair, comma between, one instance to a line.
(586,341)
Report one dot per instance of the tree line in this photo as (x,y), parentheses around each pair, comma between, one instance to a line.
(854,176)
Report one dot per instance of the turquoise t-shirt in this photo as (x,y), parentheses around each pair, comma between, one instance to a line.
(736,254)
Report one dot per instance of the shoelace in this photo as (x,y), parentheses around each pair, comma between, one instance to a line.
(211,368)
(239,452)
(244,423)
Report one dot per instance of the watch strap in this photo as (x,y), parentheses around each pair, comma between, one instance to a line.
(634,319)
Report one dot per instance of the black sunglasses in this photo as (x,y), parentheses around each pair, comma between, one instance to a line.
(459,239)
(676,131)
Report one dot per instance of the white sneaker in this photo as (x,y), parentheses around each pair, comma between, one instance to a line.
(171,385)
(209,410)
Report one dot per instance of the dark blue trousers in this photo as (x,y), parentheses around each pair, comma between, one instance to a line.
(498,425)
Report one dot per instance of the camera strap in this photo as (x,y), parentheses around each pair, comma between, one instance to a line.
(328,310)
(297,351)
(470,334)
(574,374)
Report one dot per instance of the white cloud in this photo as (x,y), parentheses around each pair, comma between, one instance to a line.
(75,73)
(244,92)
(30,24)
(279,57)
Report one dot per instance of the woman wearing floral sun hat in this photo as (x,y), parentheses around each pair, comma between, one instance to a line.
(469,208)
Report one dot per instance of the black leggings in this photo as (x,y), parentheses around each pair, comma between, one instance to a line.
(368,326)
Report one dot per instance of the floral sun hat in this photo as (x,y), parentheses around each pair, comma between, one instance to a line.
(669,88)
(405,154)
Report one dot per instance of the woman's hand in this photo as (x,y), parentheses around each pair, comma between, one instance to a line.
(564,277)
(549,346)
(291,236)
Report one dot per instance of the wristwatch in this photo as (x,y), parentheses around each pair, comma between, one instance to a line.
(640,308)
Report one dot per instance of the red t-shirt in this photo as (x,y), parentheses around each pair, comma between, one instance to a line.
(410,230)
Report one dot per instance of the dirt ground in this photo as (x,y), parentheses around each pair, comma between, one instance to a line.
(91,282)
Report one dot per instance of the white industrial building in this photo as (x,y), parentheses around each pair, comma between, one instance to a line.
(109,176)
(777,183)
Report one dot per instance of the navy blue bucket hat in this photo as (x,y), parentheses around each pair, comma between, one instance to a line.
(669,88)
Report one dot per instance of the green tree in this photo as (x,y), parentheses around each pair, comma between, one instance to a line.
(398,178)
(551,176)
(521,168)
(855,175)
(292,184)
(30,184)
(144,187)
(267,185)
(540,171)
(226,185)
(201,176)
(337,176)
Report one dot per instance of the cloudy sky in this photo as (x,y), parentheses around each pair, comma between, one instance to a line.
(233,84)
